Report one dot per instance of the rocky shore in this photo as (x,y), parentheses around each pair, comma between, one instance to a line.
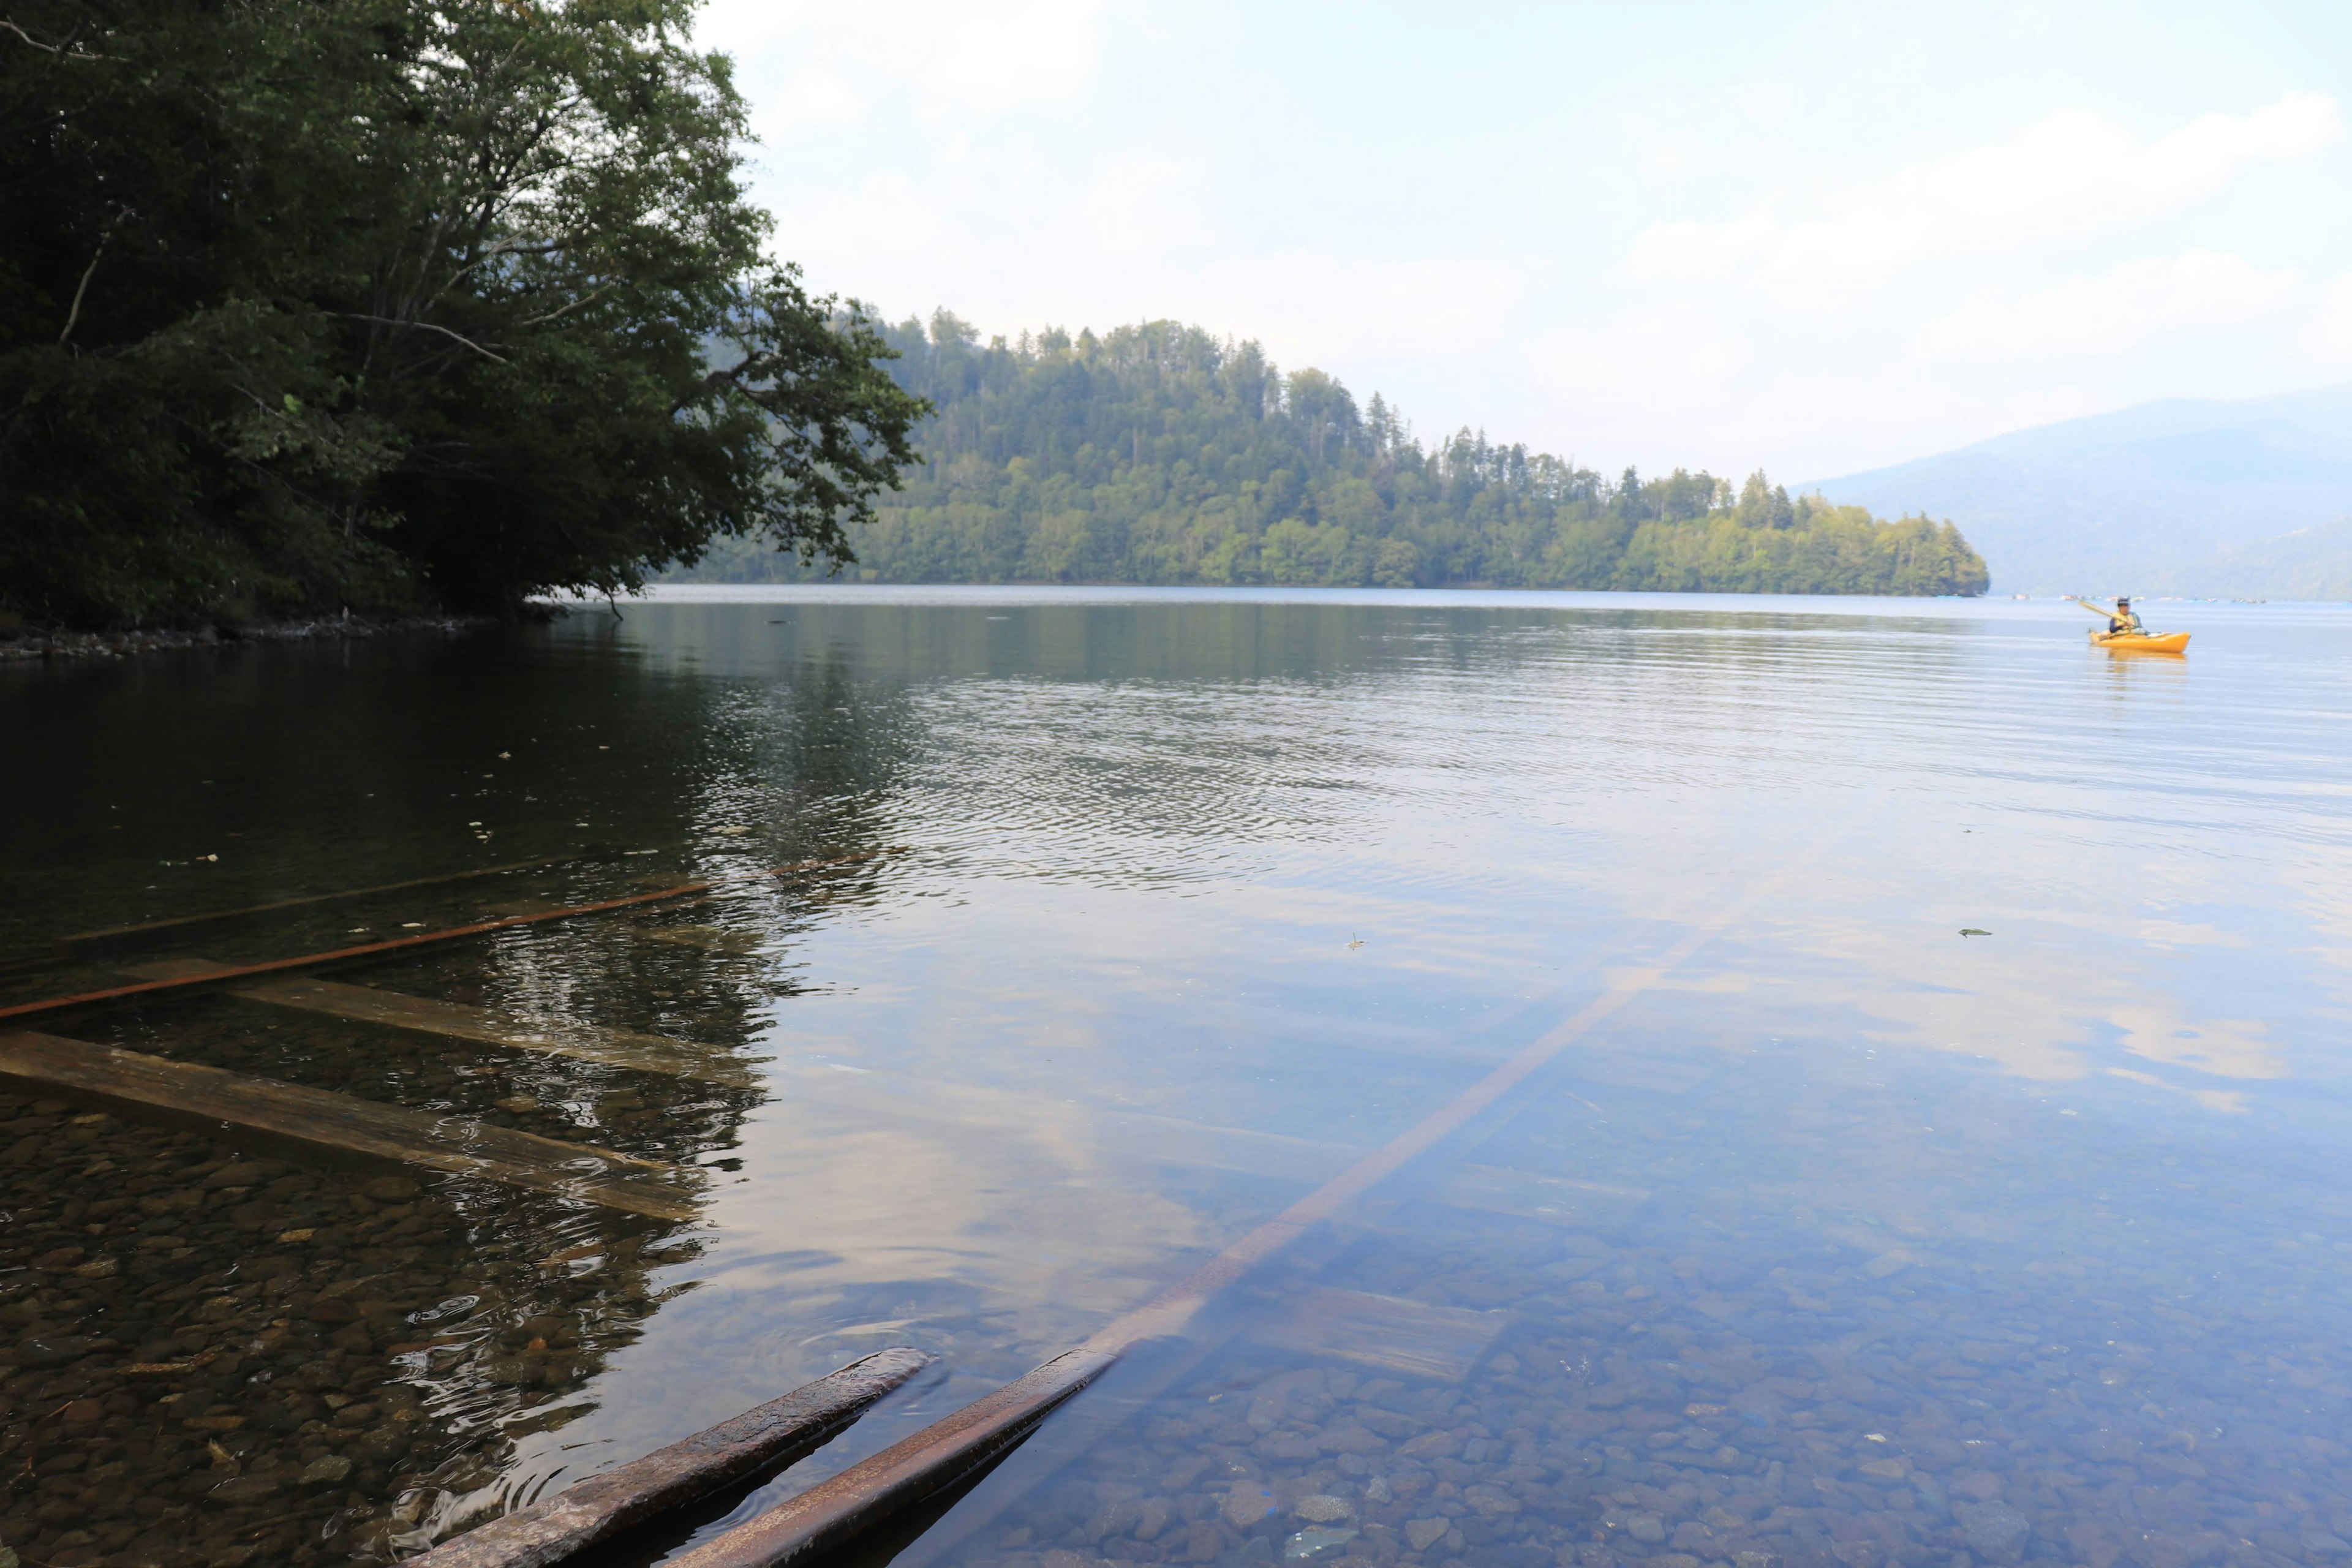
(64,645)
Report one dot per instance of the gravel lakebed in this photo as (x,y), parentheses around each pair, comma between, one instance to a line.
(217,1359)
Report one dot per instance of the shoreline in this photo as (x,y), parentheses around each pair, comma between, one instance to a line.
(64,645)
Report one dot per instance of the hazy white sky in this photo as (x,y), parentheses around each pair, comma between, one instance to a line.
(1812,236)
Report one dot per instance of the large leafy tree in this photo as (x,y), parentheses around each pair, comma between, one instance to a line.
(307,304)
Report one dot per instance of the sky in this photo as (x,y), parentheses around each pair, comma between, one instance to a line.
(1810,237)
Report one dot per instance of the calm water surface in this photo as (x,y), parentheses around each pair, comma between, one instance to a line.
(1845,1237)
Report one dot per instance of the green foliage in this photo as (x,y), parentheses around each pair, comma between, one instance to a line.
(1156,454)
(307,304)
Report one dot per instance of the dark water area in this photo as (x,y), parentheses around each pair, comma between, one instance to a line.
(1115,923)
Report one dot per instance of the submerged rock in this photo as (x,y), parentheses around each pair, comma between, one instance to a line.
(1994,1528)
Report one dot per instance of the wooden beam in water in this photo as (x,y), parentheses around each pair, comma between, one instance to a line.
(904,1474)
(862,1496)
(1488,1189)
(1393,1333)
(148,933)
(451,1020)
(1574,1204)
(754,1443)
(205,1096)
(407,943)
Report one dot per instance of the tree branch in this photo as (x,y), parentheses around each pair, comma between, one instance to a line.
(428,326)
(566,308)
(68,50)
(73,312)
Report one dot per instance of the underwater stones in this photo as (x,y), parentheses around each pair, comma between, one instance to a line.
(1350,1437)
(327,1469)
(1321,1507)
(1117,1519)
(244,1489)
(1422,1533)
(1246,1504)
(1993,1529)
(1285,1445)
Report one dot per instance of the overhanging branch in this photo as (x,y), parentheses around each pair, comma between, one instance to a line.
(68,50)
(428,326)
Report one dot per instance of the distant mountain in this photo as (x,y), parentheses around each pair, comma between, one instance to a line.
(2249,499)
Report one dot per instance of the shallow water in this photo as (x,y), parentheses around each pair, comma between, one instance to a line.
(1840,1238)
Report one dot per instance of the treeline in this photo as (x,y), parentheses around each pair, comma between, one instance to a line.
(1159,454)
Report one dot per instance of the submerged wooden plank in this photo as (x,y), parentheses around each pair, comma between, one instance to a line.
(905,1475)
(1489,1189)
(147,933)
(405,944)
(1392,1332)
(188,1093)
(589,1042)
(643,1489)
(1129,1134)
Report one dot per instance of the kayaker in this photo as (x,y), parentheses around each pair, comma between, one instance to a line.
(2123,620)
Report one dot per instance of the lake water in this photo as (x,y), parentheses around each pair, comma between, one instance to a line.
(1836,1236)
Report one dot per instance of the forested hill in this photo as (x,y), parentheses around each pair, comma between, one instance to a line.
(1159,454)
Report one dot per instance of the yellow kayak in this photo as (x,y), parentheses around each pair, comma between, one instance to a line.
(2142,642)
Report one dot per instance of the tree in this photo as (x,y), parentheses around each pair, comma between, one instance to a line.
(307,303)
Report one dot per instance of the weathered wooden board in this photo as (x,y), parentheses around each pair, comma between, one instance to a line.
(130,938)
(1126,1134)
(1392,1332)
(1490,1189)
(187,1092)
(589,1042)
(668,1478)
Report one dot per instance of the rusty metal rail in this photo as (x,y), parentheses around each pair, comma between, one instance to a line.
(756,1441)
